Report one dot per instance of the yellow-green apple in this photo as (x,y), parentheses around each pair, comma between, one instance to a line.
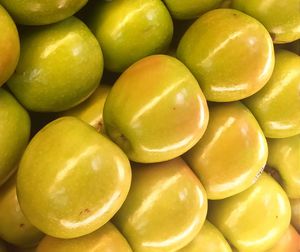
(277,106)
(130,30)
(284,161)
(105,239)
(40,12)
(255,219)
(156,110)
(295,205)
(60,66)
(281,18)
(208,239)
(218,44)
(71,179)
(165,208)
(91,110)
(232,152)
(9,46)
(14,133)
(14,227)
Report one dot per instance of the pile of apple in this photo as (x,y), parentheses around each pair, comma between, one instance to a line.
(149,125)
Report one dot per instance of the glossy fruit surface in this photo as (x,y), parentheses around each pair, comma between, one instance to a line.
(156,110)
(295,205)
(14,227)
(208,239)
(91,110)
(60,66)
(284,157)
(255,219)
(71,179)
(165,208)
(216,46)
(9,46)
(289,242)
(130,30)
(277,105)
(231,153)
(14,133)
(105,239)
(40,12)
(189,9)
(281,18)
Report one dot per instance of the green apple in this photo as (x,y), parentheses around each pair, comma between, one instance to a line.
(60,66)
(165,208)
(40,12)
(91,110)
(14,133)
(130,30)
(232,152)
(295,205)
(14,227)
(105,239)
(289,242)
(9,46)
(277,105)
(208,239)
(218,44)
(284,158)
(255,219)
(189,9)
(71,179)
(281,18)
(156,110)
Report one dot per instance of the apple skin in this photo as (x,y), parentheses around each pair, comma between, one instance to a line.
(156,110)
(281,18)
(227,169)
(41,12)
(91,110)
(208,239)
(255,219)
(277,106)
(105,239)
(9,46)
(60,66)
(14,133)
(14,227)
(216,46)
(71,179)
(284,157)
(190,9)
(289,242)
(165,208)
(130,30)
(295,205)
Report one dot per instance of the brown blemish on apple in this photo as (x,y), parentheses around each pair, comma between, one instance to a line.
(85,211)
(21,225)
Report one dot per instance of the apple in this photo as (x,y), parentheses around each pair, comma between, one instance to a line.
(190,9)
(218,44)
(255,219)
(277,106)
(232,152)
(9,46)
(60,66)
(14,133)
(105,239)
(295,205)
(156,110)
(14,227)
(91,110)
(281,18)
(165,208)
(130,30)
(208,239)
(284,160)
(71,179)
(40,12)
